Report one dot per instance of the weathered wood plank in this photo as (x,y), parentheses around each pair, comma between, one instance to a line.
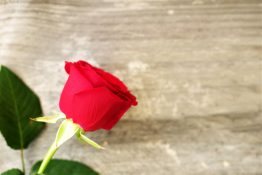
(195,66)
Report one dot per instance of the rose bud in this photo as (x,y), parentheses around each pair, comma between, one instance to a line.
(93,98)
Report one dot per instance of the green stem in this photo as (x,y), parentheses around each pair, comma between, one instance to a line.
(22,159)
(47,158)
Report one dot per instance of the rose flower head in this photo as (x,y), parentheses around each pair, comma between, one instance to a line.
(93,98)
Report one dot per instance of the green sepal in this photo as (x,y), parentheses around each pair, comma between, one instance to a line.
(82,138)
(49,119)
(66,130)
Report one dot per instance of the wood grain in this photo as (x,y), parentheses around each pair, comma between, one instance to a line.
(195,66)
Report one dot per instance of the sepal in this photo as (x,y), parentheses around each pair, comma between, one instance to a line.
(81,137)
(49,119)
(66,130)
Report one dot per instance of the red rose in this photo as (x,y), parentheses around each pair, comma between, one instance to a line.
(93,98)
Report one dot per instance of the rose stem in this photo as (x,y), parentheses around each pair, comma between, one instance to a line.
(50,153)
(22,159)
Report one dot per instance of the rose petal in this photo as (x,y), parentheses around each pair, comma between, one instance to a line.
(111,81)
(76,83)
(68,66)
(87,71)
(92,109)
(113,121)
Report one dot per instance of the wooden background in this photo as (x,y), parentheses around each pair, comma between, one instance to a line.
(195,66)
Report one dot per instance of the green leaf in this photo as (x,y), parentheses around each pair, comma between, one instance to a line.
(65,167)
(13,172)
(18,103)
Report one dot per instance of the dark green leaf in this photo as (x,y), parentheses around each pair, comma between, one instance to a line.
(13,172)
(17,104)
(65,167)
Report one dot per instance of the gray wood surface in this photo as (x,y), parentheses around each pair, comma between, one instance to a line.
(195,66)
